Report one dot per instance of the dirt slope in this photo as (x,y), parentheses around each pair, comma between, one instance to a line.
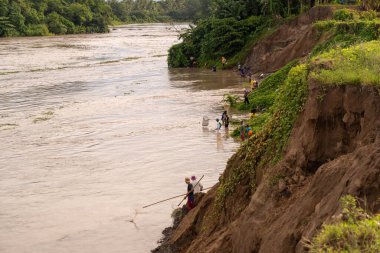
(292,40)
(334,150)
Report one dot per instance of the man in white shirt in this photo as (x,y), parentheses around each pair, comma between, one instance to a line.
(198,187)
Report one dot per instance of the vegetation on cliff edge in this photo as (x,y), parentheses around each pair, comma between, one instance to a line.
(356,231)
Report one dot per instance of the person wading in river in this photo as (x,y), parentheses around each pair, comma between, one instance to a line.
(190,194)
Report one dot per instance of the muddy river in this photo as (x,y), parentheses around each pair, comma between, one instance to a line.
(92,128)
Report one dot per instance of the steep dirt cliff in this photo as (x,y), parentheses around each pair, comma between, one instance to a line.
(294,39)
(334,149)
(277,192)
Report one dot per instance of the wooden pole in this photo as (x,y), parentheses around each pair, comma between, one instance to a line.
(158,202)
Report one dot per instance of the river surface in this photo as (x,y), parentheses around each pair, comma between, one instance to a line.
(92,128)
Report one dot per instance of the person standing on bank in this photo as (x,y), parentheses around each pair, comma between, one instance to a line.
(190,194)
(198,187)
(246,100)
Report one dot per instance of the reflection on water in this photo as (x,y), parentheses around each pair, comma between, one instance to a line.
(93,127)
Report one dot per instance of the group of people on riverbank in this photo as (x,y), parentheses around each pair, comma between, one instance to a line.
(193,187)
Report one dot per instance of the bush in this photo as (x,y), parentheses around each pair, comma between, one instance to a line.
(368,15)
(355,65)
(357,232)
(37,30)
(178,55)
(55,24)
(213,38)
(343,15)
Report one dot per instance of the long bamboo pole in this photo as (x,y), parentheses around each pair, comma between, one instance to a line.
(158,202)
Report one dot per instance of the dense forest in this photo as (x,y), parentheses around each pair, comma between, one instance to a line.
(235,20)
(232,27)
(159,11)
(44,17)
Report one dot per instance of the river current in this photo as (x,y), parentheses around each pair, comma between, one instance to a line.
(92,128)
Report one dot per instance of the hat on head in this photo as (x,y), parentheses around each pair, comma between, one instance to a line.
(187,179)
(193,178)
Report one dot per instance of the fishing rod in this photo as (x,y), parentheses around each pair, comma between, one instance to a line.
(158,202)
(191,190)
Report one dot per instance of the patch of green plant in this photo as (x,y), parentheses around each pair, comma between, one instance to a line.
(230,99)
(354,65)
(204,45)
(267,144)
(357,231)
(256,123)
(37,18)
(264,96)
(344,14)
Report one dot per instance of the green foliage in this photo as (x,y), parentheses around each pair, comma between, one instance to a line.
(58,24)
(177,55)
(355,65)
(79,13)
(43,17)
(365,26)
(6,27)
(213,38)
(344,14)
(272,131)
(231,99)
(37,30)
(357,232)
(264,96)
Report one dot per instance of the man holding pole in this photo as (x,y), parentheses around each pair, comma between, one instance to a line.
(190,194)
(198,187)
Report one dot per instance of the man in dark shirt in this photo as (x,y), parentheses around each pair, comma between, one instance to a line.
(190,194)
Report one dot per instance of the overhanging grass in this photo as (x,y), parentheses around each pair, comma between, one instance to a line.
(354,65)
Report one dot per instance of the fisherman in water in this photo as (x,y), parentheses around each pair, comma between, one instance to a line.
(190,194)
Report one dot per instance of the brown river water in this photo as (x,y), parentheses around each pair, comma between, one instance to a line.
(92,128)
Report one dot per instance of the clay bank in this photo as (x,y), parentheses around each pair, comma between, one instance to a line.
(320,142)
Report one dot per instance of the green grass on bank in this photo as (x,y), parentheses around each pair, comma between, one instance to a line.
(272,132)
(356,65)
(347,28)
(355,232)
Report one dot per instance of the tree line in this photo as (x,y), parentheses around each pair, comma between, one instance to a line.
(44,17)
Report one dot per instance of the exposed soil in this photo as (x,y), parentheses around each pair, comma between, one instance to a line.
(334,150)
(292,40)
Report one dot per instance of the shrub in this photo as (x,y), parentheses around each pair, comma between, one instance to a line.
(343,15)
(355,65)
(55,24)
(357,232)
(213,38)
(179,55)
(37,30)
(272,132)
